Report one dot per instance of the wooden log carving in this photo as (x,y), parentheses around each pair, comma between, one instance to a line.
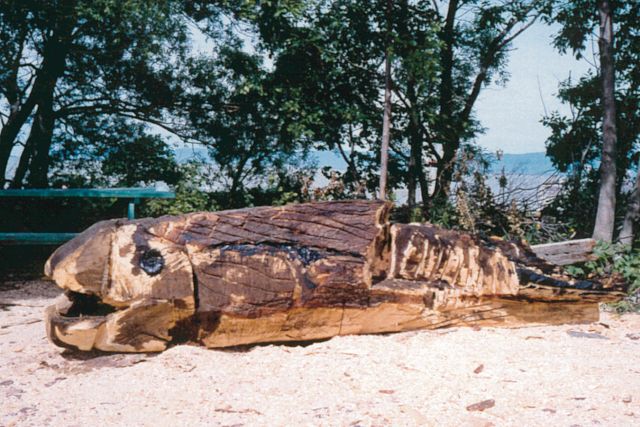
(298,272)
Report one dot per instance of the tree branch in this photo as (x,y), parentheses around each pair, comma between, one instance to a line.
(495,47)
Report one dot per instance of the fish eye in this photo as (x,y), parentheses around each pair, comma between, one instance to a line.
(151,262)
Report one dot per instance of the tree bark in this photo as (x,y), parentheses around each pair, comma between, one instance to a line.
(11,129)
(411,181)
(605,217)
(42,134)
(413,126)
(386,118)
(449,141)
(415,143)
(25,160)
(54,55)
(632,215)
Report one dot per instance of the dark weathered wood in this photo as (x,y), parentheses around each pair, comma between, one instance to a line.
(566,253)
(296,272)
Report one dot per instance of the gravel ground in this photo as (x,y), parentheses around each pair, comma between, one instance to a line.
(561,375)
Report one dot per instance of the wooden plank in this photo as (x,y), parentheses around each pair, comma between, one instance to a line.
(565,253)
(131,193)
(35,238)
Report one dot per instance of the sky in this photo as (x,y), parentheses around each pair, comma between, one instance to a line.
(512,114)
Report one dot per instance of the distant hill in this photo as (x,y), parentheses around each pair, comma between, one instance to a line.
(524,164)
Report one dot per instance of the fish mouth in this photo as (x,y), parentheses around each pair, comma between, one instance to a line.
(84,322)
(86,305)
(75,320)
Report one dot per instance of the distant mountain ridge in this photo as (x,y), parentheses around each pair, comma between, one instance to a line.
(525,163)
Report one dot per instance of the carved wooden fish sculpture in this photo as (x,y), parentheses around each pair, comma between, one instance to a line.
(292,273)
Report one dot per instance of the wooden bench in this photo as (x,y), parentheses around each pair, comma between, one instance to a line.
(133,195)
(566,253)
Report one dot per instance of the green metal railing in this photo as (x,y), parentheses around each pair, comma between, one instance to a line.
(133,195)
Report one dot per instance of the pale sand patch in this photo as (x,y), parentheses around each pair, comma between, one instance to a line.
(561,375)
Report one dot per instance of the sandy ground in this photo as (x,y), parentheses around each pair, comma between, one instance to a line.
(561,375)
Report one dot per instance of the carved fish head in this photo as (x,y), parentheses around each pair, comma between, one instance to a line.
(81,264)
(119,271)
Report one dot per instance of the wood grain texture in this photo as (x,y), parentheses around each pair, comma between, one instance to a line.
(297,272)
(566,253)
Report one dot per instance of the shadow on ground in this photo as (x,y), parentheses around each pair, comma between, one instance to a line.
(23,262)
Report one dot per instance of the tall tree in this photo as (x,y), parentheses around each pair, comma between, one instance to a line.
(52,25)
(577,143)
(386,119)
(605,217)
(475,39)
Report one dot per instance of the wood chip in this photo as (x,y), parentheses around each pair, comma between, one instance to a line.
(481,406)
(580,334)
(479,369)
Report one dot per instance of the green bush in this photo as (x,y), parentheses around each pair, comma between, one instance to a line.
(614,260)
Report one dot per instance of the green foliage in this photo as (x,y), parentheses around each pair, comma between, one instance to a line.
(611,260)
(195,192)
(479,210)
(126,62)
(190,196)
(234,112)
(328,76)
(112,153)
(77,62)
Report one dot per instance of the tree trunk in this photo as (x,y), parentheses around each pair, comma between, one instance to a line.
(11,129)
(424,189)
(54,55)
(411,181)
(386,119)
(445,167)
(415,143)
(605,217)
(25,160)
(447,134)
(18,112)
(42,134)
(632,215)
